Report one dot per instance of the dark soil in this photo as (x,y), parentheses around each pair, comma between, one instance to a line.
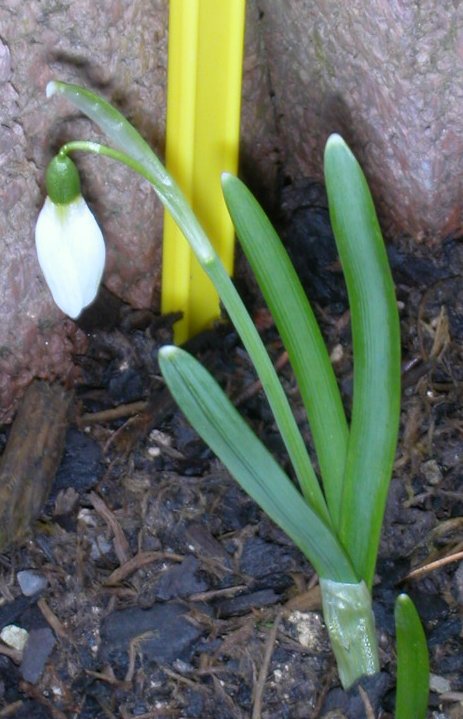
(161,588)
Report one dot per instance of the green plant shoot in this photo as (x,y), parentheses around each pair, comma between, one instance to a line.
(335,518)
(412,662)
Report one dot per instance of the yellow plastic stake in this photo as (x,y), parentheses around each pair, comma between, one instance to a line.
(203,111)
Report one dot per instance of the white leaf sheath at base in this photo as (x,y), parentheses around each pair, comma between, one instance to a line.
(350,622)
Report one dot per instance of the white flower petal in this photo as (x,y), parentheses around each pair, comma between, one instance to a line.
(71,254)
(87,248)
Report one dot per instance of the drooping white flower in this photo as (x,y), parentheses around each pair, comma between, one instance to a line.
(70,245)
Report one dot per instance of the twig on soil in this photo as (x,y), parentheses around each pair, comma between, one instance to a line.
(14,654)
(52,619)
(256,386)
(107,675)
(439,330)
(179,677)
(138,561)
(226,699)
(369,713)
(157,408)
(121,545)
(134,649)
(428,568)
(152,714)
(110,415)
(261,679)
(36,693)
(327,683)
(236,638)
(11,709)
(217,593)
(308,601)
(451,697)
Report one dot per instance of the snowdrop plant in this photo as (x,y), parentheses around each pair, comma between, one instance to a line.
(334,518)
(70,245)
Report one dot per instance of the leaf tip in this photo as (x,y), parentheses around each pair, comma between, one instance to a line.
(167,352)
(227,179)
(334,140)
(51,89)
(338,158)
(336,143)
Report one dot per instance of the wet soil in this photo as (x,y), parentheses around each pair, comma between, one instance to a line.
(152,586)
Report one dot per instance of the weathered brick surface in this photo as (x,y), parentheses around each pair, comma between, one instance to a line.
(388,75)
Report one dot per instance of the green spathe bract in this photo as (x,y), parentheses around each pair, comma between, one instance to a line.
(336,529)
(62,180)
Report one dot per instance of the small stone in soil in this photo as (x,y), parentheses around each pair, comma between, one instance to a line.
(36,652)
(31,582)
(309,630)
(262,559)
(202,542)
(126,385)
(170,635)
(245,603)
(10,611)
(14,636)
(445,631)
(81,466)
(458,580)
(181,580)
(350,702)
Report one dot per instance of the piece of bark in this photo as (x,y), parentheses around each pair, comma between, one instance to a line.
(31,457)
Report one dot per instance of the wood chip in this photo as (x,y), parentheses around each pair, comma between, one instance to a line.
(32,457)
(140,560)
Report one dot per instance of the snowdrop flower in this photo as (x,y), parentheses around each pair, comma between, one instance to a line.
(69,243)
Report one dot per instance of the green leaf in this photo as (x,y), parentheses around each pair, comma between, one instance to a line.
(412,662)
(376,344)
(299,332)
(220,425)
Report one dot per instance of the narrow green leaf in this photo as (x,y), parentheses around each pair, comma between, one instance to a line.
(412,662)
(300,333)
(376,343)
(138,155)
(220,425)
